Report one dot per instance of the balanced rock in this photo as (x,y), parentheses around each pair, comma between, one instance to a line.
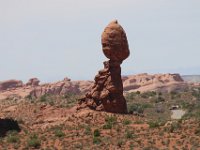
(114,42)
(107,91)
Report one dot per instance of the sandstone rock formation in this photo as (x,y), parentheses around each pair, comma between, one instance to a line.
(132,83)
(157,82)
(33,82)
(107,91)
(10,84)
(58,88)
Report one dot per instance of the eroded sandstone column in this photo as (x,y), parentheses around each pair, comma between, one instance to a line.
(107,91)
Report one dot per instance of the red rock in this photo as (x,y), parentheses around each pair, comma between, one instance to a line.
(33,82)
(5,85)
(107,91)
(58,88)
(157,82)
(114,42)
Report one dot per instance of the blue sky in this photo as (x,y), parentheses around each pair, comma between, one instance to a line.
(52,39)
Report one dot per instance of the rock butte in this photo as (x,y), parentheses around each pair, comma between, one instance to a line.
(107,91)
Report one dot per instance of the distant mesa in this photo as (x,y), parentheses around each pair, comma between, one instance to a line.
(157,82)
(9,84)
(131,83)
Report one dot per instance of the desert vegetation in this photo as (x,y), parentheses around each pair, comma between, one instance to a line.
(48,122)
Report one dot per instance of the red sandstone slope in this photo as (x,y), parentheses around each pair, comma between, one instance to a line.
(158,82)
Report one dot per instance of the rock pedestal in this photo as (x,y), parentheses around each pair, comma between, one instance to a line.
(107,91)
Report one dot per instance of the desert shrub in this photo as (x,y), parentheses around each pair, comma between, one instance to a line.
(87,130)
(33,141)
(174,126)
(187,105)
(196,93)
(150,148)
(128,134)
(78,146)
(148,94)
(153,124)
(159,99)
(197,132)
(108,125)
(59,133)
(193,111)
(126,122)
(29,97)
(159,109)
(135,108)
(156,123)
(13,137)
(110,121)
(138,108)
(132,95)
(70,99)
(51,102)
(173,94)
(96,140)
(96,133)
(120,143)
(44,98)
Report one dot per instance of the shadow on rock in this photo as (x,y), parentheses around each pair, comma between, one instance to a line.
(8,125)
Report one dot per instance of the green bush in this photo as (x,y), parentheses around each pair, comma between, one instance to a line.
(12,137)
(33,141)
(153,124)
(159,99)
(137,107)
(126,122)
(197,132)
(43,98)
(96,140)
(87,130)
(148,94)
(59,133)
(174,126)
(110,121)
(196,94)
(128,134)
(131,96)
(96,133)
(108,125)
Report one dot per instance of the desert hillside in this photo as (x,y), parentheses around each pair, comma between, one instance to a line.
(163,113)
(52,122)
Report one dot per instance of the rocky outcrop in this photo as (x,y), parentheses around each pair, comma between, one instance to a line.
(59,88)
(33,82)
(158,82)
(9,84)
(83,86)
(132,83)
(107,92)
